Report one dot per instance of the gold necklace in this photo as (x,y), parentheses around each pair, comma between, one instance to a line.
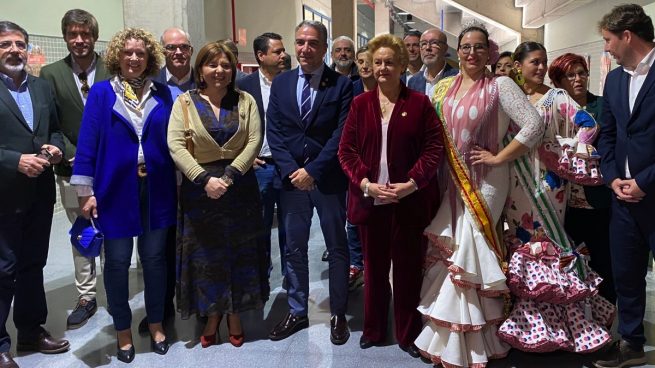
(383,106)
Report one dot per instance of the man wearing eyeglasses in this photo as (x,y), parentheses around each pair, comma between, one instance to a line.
(71,79)
(178,51)
(434,46)
(30,142)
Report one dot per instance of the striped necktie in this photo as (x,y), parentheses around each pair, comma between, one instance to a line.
(306,100)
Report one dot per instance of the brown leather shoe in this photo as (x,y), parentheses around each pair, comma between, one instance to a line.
(43,343)
(288,326)
(6,361)
(339,332)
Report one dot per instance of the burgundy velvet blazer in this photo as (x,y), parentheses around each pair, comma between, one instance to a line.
(414,150)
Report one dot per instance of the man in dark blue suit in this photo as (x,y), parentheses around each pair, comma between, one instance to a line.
(433,46)
(628,166)
(270,53)
(306,112)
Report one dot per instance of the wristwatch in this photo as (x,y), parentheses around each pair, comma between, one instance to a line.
(366,189)
(227,180)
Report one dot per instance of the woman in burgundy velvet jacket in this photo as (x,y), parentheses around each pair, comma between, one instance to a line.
(391,147)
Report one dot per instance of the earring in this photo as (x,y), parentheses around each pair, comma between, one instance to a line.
(518,77)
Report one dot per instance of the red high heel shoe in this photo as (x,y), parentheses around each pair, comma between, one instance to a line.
(209,340)
(235,340)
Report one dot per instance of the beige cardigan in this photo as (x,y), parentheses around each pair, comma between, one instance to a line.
(243,147)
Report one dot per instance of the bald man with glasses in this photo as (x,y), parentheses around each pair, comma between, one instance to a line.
(433,47)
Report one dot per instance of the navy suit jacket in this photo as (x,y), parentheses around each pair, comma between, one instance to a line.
(417,83)
(287,135)
(250,84)
(629,134)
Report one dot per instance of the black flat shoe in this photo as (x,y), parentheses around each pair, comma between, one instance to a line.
(412,350)
(125,356)
(160,348)
(365,343)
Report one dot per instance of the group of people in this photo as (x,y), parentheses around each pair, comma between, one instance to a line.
(483,187)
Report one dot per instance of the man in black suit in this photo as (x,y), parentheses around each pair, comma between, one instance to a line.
(30,141)
(270,54)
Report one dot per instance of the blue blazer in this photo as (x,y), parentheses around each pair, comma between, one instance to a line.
(417,83)
(250,84)
(288,137)
(629,134)
(107,151)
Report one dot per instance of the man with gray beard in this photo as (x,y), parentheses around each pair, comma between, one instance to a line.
(343,57)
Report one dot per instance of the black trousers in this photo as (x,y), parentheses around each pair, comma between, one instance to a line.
(24,242)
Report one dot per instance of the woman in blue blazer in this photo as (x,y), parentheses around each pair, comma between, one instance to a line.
(125,178)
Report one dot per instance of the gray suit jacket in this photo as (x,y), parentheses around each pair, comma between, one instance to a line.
(17,191)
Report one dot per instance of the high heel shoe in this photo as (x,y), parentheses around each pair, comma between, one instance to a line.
(161,347)
(207,341)
(125,356)
(235,340)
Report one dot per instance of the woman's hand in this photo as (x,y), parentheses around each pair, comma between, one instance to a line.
(215,188)
(88,206)
(480,156)
(383,193)
(402,190)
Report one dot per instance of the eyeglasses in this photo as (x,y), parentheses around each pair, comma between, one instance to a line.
(571,76)
(6,45)
(183,47)
(466,48)
(432,43)
(85,84)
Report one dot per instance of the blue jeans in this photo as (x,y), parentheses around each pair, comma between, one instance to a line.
(151,246)
(354,246)
(269,189)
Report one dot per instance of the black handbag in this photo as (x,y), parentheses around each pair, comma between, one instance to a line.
(86,237)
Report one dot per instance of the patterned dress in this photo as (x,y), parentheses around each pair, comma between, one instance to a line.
(556,306)
(222,265)
(462,298)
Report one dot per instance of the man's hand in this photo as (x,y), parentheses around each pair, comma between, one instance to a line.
(258,163)
(88,206)
(31,165)
(215,188)
(302,180)
(627,190)
(55,152)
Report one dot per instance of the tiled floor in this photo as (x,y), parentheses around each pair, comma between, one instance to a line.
(94,344)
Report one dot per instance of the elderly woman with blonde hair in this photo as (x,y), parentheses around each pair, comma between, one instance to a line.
(125,178)
(391,147)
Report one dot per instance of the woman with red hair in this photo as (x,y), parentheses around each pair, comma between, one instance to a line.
(588,210)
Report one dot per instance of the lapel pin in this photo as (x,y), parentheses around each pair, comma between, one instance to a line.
(403,114)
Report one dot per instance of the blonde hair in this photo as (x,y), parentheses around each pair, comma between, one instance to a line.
(392,42)
(117,44)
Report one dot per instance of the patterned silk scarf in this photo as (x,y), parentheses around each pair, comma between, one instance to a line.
(127,89)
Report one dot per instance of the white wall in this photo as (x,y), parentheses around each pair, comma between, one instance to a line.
(41,17)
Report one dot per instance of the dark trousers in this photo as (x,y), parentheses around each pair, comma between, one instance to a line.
(354,246)
(632,235)
(591,226)
(383,241)
(24,241)
(270,186)
(151,246)
(298,208)
(171,245)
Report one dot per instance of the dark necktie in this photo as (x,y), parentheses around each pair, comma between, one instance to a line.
(84,88)
(306,100)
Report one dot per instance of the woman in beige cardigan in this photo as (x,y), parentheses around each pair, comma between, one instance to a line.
(214,135)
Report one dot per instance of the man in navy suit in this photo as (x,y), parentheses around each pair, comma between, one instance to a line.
(306,112)
(628,167)
(271,55)
(433,47)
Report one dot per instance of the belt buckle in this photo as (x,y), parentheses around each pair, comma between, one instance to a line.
(141,170)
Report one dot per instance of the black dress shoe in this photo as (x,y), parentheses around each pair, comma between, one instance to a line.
(365,343)
(81,314)
(339,332)
(288,326)
(412,350)
(43,343)
(326,256)
(125,356)
(161,347)
(6,361)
